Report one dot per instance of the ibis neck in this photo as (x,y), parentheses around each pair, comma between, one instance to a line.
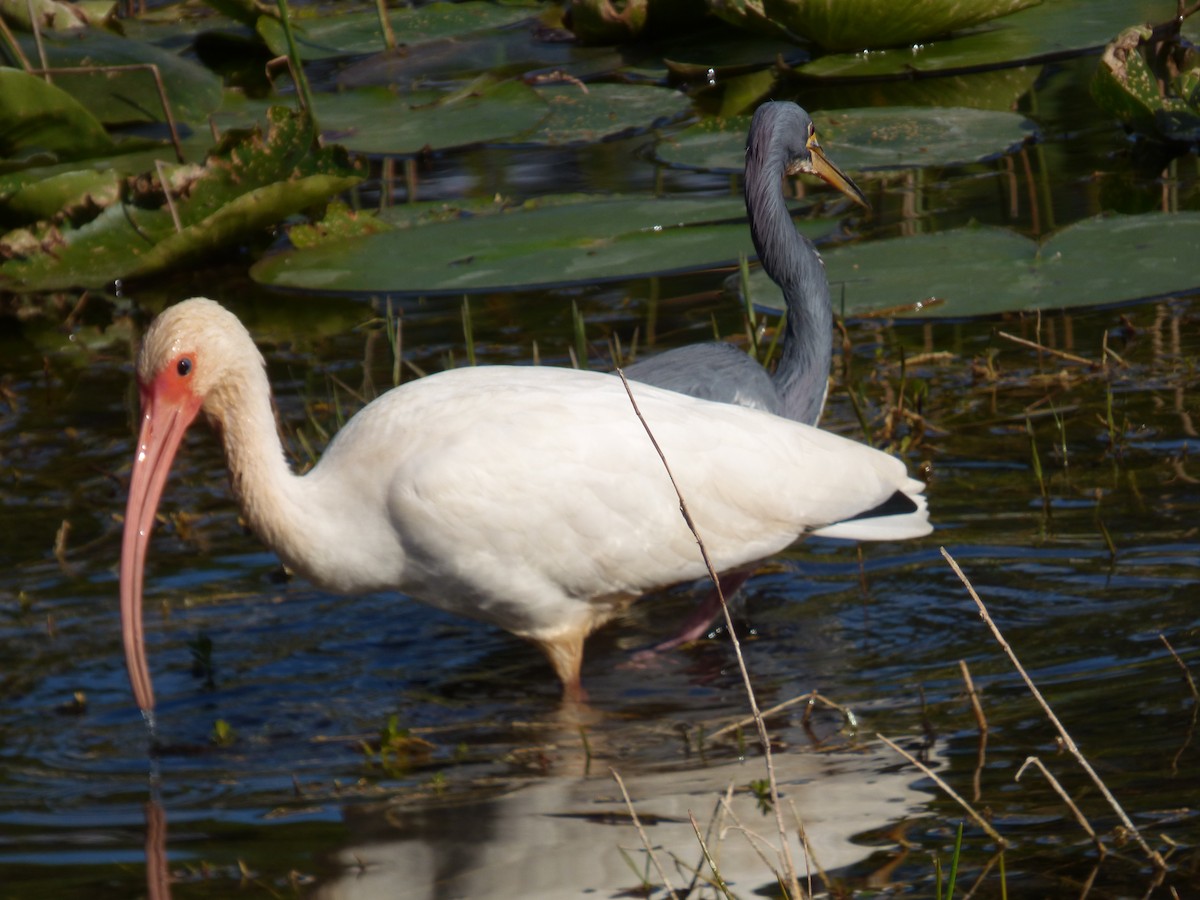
(267,490)
(792,262)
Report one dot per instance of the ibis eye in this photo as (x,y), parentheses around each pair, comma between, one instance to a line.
(184,367)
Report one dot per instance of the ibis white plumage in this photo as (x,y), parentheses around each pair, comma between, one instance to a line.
(527,497)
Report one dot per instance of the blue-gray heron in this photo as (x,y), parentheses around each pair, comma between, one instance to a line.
(781,141)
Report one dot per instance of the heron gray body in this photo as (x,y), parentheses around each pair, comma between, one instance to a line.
(778,139)
(781,141)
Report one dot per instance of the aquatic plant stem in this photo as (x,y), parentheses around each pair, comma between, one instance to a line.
(637,823)
(784,849)
(712,863)
(1061,791)
(950,792)
(1154,856)
(297,65)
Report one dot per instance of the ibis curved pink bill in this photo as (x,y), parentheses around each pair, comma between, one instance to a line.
(526,497)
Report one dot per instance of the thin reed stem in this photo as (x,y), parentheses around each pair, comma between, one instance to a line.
(784,849)
(1068,742)
(950,792)
(637,823)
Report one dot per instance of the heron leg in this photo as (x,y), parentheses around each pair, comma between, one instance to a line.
(698,623)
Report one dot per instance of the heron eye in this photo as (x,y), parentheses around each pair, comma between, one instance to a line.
(184,367)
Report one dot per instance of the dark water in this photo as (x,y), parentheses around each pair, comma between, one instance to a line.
(1083,578)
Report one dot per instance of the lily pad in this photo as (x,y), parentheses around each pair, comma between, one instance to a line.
(348,34)
(376,120)
(862,139)
(131,95)
(594,112)
(1056,28)
(868,24)
(249,183)
(537,246)
(987,271)
(998,89)
(502,53)
(40,120)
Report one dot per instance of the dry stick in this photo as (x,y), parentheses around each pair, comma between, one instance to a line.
(152,68)
(982,875)
(712,864)
(784,848)
(637,823)
(979,820)
(1182,665)
(1079,816)
(810,858)
(753,838)
(1187,741)
(981,721)
(976,706)
(37,39)
(162,178)
(810,699)
(1154,856)
(12,44)
(1061,354)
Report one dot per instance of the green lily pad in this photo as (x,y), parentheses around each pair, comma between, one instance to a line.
(594,112)
(348,34)
(716,54)
(541,245)
(987,271)
(998,89)
(41,120)
(502,53)
(1055,28)
(376,120)
(862,139)
(246,185)
(862,24)
(130,96)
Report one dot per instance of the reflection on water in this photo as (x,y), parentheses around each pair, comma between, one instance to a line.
(1083,571)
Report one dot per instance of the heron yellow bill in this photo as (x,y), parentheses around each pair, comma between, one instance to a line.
(820,165)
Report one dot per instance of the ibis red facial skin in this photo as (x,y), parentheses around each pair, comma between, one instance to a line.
(526,497)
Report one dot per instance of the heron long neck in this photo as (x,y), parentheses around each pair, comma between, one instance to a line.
(792,262)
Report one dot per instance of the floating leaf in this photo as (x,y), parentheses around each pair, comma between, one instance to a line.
(248,184)
(594,112)
(716,55)
(131,95)
(510,52)
(376,120)
(986,271)
(1053,29)
(862,24)
(39,119)
(998,89)
(348,34)
(860,139)
(540,245)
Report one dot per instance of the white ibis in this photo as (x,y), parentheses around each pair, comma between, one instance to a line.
(527,497)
